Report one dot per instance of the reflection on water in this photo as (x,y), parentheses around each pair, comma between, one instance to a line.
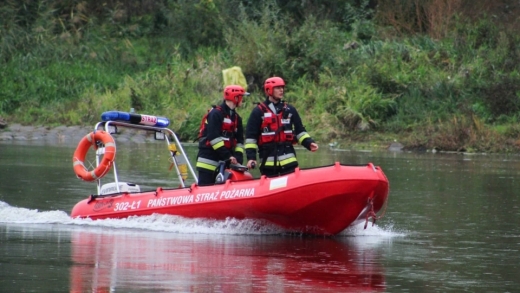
(104,261)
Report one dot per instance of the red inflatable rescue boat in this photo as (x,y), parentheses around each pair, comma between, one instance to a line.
(321,201)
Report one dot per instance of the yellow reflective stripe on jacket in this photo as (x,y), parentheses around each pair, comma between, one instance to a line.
(239,149)
(282,160)
(218,145)
(302,136)
(251,143)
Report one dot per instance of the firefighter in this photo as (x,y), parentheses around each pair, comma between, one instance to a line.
(274,126)
(221,136)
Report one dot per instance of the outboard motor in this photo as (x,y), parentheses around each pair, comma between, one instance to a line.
(236,172)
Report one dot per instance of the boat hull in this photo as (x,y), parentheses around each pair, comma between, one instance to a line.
(322,201)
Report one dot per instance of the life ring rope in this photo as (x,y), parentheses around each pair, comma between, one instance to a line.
(88,141)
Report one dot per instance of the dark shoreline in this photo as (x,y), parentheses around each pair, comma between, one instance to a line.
(62,135)
(71,135)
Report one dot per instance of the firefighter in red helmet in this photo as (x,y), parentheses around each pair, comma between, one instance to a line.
(221,136)
(272,130)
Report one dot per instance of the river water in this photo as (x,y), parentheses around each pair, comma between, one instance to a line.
(451,225)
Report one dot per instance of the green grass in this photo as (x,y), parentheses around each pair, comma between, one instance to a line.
(355,80)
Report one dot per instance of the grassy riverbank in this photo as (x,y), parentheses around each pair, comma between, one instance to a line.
(360,74)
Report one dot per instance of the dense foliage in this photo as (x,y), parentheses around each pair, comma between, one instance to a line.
(439,74)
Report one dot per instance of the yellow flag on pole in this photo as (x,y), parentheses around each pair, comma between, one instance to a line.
(234,76)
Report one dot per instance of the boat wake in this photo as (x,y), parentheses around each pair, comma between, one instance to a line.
(174,224)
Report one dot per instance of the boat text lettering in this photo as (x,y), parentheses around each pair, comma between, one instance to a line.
(102,204)
(148,120)
(169,201)
(125,206)
(244,192)
(208,196)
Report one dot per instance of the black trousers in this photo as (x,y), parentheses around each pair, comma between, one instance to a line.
(206,177)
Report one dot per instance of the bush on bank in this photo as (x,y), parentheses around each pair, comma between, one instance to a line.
(357,73)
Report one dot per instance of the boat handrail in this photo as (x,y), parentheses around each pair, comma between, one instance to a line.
(167,133)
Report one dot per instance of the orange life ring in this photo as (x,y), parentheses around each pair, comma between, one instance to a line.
(84,145)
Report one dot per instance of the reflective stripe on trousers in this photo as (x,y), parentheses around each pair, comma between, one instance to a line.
(206,164)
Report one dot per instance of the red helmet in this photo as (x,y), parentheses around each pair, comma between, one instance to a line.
(271,82)
(234,93)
